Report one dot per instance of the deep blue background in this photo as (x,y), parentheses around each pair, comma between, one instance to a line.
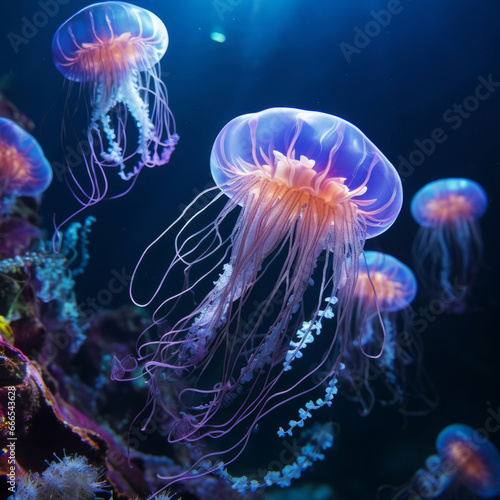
(288,53)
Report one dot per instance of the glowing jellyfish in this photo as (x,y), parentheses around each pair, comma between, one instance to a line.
(465,457)
(448,246)
(382,348)
(306,184)
(24,170)
(476,461)
(114,50)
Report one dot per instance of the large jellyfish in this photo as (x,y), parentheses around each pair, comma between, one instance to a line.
(309,188)
(24,170)
(114,50)
(448,246)
(384,291)
(465,458)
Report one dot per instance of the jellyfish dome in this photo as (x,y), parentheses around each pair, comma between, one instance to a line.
(447,249)
(389,280)
(314,155)
(304,183)
(114,48)
(447,200)
(476,460)
(24,169)
(108,40)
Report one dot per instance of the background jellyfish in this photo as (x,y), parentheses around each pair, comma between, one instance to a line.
(114,48)
(379,324)
(308,184)
(448,246)
(24,170)
(465,458)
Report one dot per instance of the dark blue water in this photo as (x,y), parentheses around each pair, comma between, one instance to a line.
(407,73)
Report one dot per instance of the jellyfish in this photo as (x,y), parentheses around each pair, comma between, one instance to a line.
(114,50)
(308,189)
(475,459)
(24,169)
(380,323)
(448,247)
(465,458)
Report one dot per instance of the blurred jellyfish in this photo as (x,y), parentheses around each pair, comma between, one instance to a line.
(465,458)
(114,50)
(381,306)
(308,184)
(448,246)
(24,170)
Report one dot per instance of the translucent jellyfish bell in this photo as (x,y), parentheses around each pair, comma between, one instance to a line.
(392,281)
(24,170)
(314,152)
(475,459)
(447,201)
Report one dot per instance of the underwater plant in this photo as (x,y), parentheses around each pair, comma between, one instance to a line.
(72,477)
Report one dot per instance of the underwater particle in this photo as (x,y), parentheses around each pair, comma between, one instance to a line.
(475,458)
(218,37)
(448,246)
(114,50)
(24,170)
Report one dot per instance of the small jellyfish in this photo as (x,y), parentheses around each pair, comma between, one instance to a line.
(24,170)
(448,246)
(114,50)
(384,291)
(474,459)
(465,458)
(304,184)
